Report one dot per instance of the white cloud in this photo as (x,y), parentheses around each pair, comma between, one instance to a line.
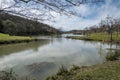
(93,15)
(6,3)
(69,23)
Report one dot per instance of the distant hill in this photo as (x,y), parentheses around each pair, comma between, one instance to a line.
(15,25)
(75,31)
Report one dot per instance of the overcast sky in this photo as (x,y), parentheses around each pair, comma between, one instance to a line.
(92,15)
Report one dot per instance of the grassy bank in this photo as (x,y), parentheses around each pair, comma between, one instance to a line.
(7,39)
(109,70)
(97,37)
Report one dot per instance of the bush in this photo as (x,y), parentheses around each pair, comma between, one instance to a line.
(112,56)
(62,71)
(75,68)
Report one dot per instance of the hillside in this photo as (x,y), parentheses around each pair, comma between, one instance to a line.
(75,31)
(15,25)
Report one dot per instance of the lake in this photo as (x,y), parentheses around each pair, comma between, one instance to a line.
(44,58)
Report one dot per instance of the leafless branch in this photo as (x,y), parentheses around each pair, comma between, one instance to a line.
(46,6)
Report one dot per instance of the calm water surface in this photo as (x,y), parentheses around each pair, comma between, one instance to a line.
(43,58)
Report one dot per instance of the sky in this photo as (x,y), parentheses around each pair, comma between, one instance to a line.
(91,14)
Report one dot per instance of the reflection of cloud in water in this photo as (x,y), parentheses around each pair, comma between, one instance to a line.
(13,59)
(13,48)
(58,52)
(65,51)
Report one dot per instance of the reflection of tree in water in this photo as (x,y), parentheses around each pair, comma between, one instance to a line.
(110,53)
(114,49)
(111,49)
(100,50)
(60,40)
(36,45)
(12,48)
(52,40)
(117,49)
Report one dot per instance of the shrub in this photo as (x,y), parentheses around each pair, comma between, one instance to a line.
(62,71)
(75,67)
(112,56)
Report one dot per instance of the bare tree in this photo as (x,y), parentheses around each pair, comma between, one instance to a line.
(44,9)
(110,24)
(117,26)
(87,31)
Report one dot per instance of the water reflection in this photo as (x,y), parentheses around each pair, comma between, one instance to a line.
(41,59)
(113,49)
(7,49)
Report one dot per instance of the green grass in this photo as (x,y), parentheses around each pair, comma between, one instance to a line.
(8,38)
(97,37)
(107,71)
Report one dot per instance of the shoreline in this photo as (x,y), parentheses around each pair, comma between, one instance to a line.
(8,39)
(17,41)
(109,70)
(92,39)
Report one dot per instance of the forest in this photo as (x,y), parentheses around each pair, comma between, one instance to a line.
(16,25)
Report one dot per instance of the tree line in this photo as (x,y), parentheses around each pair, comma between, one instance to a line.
(108,26)
(15,25)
